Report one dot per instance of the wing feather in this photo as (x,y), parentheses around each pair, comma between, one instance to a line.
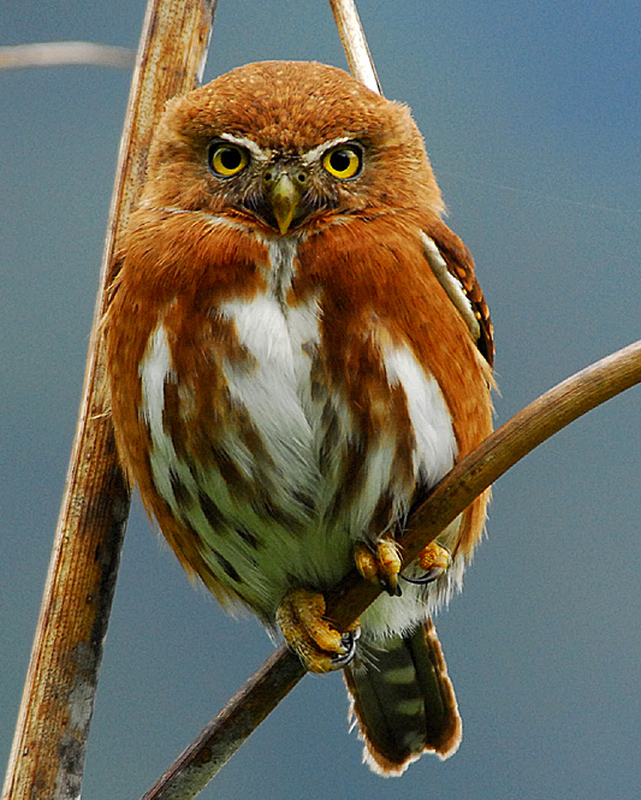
(453,265)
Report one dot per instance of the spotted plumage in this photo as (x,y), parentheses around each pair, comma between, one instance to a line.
(298,350)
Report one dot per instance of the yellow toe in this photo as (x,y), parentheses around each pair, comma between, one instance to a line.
(318,644)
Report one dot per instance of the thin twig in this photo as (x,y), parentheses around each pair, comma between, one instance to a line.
(567,401)
(47,758)
(55,54)
(355,44)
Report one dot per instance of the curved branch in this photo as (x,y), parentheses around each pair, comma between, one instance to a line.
(55,54)
(567,401)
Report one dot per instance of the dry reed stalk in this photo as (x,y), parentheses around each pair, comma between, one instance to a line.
(49,747)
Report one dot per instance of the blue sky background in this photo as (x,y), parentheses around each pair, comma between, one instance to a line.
(532,113)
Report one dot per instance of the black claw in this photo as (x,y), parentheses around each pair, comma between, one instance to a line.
(349,639)
(392,591)
(430,576)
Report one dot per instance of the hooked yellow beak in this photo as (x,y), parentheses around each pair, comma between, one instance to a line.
(284,196)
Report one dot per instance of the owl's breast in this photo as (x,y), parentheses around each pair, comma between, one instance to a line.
(278,439)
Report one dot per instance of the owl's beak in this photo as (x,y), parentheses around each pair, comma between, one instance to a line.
(284,197)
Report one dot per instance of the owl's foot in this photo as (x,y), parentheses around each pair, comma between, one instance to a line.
(380,563)
(434,560)
(319,646)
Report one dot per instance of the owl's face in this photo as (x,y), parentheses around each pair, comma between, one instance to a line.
(288,146)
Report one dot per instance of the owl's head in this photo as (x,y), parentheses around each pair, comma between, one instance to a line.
(287,145)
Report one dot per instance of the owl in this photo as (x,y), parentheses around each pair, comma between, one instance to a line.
(298,350)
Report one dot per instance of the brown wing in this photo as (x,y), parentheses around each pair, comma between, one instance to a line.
(453,265)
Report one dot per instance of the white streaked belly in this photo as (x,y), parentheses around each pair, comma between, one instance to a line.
(277,395)
(275,392)
(431,420)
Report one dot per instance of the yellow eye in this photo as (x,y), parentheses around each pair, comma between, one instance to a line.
(344,161)
(227,159)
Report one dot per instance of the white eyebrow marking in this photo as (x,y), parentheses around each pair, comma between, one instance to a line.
(213,219)
(248,144)
(315,153)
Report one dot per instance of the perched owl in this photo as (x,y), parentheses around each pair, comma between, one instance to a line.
(298,350)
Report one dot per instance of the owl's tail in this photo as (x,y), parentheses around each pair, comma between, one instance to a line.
(404,702)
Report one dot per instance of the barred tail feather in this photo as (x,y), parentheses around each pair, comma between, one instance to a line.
(404,703)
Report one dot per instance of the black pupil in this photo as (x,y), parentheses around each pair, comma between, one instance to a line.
(230,158)
(341,160)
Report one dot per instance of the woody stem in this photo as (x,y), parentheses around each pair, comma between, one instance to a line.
(49,746)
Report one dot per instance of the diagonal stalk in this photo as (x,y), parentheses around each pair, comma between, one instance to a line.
(350,29)
(49,747)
